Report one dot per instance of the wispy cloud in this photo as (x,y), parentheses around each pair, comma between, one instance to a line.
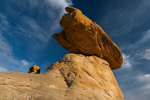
(144,88)
(5,47)
(46,22)
(126,61)
(29,28)
(13,64)
(142,41)
(145,78)
(135,48)
(32,22)
(122,21)
(145,37)
(7,60)
(4,24)
(2,69)
(25,63)
(47,11)
(135,81)
(146,54)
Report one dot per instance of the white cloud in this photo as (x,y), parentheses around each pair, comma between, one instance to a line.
(123,21)
(59,3)
(46,22)
(140,82)
(6,56)
(5,48)
(25,63)
(37,30)
(146,54)
(126,61)
(136,86)
(145,77)
(31,29)
(2,69)
(144,80)
(58,7)
(144,38)
(4,24)
(13,64)
(54,9)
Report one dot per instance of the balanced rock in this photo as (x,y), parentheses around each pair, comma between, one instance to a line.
(74,77)
(80,35)
(34,69)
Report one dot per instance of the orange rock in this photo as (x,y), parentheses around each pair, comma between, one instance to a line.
(80,35)
(34,69)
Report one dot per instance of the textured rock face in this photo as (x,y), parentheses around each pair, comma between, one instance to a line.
(74,77)
(81,35)
(24,86)
(34,70)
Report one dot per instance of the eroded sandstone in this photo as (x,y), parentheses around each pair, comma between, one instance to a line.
(80,35)
(74,77)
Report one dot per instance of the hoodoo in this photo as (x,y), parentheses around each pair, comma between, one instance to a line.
(84,74)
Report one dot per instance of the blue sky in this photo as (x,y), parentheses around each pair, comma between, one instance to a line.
(27,26)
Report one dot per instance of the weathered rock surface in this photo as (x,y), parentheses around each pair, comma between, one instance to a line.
(34,70)
(80,35)
(74,77)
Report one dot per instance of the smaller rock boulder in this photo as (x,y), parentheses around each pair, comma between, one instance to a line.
(34,69)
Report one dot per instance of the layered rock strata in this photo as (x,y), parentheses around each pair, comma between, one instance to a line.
(80,35)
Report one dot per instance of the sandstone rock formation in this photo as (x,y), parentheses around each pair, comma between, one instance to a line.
(84,74)
(34,69)
(80,35)
(74,77)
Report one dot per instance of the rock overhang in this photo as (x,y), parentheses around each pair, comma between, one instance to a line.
(80,35)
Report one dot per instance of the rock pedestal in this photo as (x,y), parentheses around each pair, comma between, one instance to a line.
(74,77)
